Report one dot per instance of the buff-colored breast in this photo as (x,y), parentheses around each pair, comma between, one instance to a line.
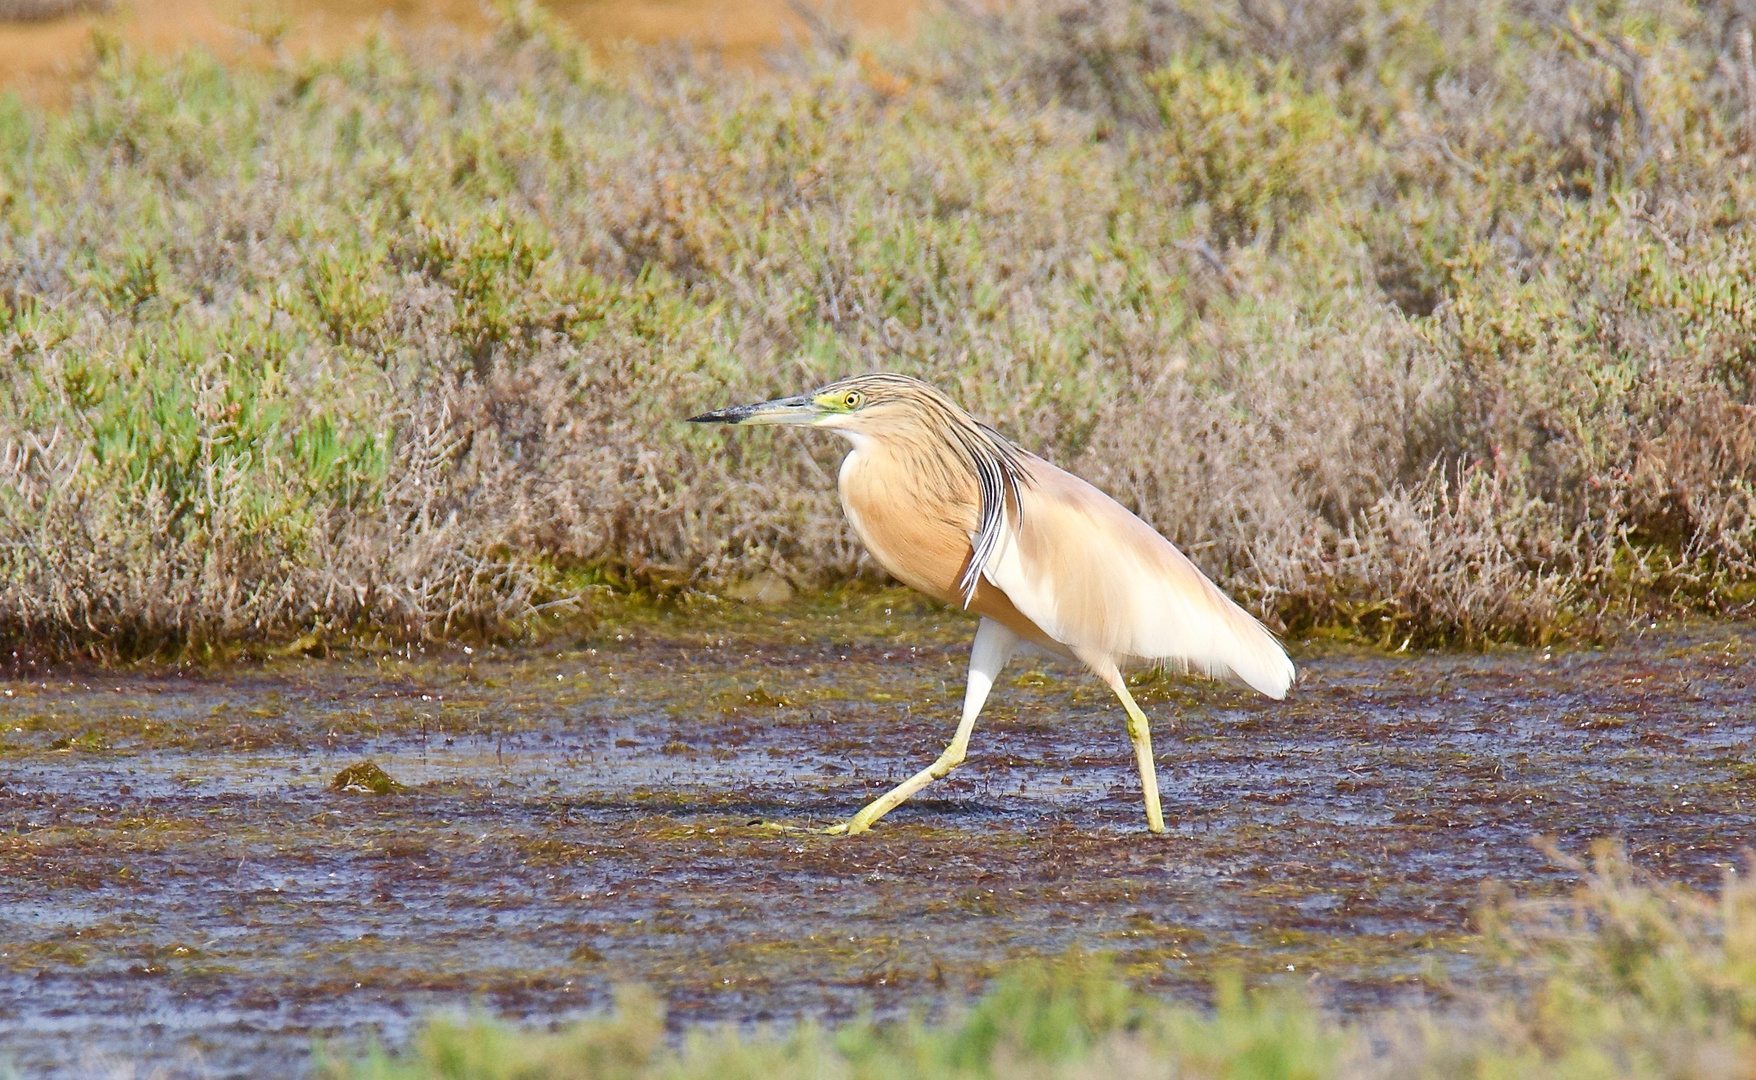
(921,535)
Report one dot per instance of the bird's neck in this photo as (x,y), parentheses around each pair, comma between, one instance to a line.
(916,527)
(921,475)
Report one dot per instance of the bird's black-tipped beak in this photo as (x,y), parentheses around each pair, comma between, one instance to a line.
(800,409)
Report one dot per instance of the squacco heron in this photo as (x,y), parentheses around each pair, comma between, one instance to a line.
(952,508)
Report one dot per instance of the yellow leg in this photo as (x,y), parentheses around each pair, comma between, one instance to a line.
(1141,736)
(890,800)
(993,646)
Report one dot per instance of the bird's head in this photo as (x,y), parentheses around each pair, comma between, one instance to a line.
(854,406)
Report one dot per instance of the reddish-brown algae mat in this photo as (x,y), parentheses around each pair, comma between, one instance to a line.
(181,887)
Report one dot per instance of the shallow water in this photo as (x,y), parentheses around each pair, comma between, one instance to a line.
(179,886)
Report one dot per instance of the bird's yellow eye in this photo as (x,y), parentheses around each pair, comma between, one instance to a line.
(852,399)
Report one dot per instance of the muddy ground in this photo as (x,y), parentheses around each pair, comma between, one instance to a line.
(181,886)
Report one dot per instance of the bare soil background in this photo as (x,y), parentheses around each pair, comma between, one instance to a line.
(46,45)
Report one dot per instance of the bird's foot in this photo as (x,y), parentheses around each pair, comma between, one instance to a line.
(854,826)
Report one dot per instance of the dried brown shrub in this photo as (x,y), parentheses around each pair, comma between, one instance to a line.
(1432,324)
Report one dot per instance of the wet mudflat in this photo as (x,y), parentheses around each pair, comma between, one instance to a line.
(181,886)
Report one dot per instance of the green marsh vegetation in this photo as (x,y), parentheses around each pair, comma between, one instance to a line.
(1629,977)
(1418,321)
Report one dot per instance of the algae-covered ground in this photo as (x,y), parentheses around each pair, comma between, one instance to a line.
(182,885)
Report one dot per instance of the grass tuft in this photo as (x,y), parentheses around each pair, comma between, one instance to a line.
(1629,977)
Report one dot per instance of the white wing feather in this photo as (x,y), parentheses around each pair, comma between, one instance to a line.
(1102,582)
